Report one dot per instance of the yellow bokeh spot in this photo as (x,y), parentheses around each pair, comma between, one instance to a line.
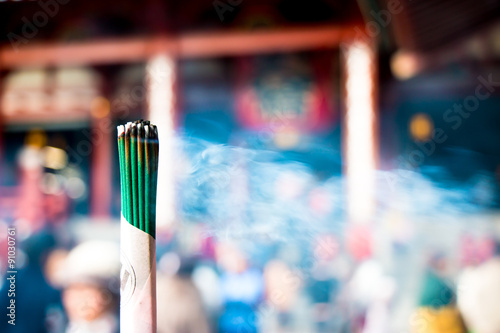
(421,127)
(404,65)
(36,138)
(55,158)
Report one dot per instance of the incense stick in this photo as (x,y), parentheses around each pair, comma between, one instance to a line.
(121,156)
(128,174)
(133,180)
(138,154)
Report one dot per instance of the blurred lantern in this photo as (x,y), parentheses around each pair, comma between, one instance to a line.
(421,127)
(99,108)
(404,65)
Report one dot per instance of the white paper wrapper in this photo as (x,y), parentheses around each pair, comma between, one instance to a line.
(138,280)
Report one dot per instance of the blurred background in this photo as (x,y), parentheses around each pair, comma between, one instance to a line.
(325,166)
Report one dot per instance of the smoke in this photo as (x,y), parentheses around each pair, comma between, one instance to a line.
(262,195)
(273,207)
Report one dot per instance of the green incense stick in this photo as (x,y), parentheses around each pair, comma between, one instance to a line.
(138,153)
(147,179)
(121,155)
(134,179)
(153,175)
(128,174)
(141,173)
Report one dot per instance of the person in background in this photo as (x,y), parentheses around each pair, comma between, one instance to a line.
(54,267)
(437,312)
(328,272)
(30,216)
(479,296)
(35,299)
(282,286)
(179,303)
(242,289)
(369,292)
(92,288)
(206,279)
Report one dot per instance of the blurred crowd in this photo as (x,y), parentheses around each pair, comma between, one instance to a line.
(216,284)
(400,273)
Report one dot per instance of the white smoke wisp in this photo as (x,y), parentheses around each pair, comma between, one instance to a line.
(253,194)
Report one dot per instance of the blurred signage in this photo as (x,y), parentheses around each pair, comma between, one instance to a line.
(285,91)
(43,95)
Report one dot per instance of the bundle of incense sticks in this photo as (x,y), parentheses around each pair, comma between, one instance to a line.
(138,154)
